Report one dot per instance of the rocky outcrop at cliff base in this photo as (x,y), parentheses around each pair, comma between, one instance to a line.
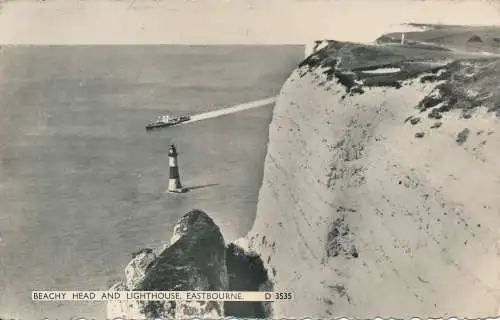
(196,259)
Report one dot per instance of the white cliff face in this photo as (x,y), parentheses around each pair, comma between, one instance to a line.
(359,217)
(314,46)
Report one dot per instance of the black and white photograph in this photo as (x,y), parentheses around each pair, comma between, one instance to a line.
(249,159)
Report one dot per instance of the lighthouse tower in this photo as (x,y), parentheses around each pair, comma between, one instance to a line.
(174,181)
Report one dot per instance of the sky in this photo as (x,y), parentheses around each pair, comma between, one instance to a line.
(224,21)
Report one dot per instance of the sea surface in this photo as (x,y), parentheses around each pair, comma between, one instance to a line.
(82,183)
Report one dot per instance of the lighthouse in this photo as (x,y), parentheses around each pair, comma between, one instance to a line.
(174,181)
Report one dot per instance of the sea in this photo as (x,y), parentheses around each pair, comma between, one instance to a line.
(82,184)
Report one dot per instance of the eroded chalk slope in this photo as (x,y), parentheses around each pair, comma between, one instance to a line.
(372,205)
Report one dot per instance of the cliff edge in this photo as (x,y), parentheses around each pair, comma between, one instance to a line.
(380,189)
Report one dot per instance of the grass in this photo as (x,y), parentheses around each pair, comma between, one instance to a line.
(467,80)
(450,36)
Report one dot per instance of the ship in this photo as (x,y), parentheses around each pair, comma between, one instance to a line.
(167,121)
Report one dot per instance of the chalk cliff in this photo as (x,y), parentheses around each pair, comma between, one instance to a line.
(380,189)
(381,182)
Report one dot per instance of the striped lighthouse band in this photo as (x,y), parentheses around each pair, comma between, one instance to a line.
(172,161)
(174,173)
(174,181)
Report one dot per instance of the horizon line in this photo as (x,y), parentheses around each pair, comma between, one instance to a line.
(47,44)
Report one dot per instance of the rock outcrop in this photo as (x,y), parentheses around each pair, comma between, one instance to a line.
(246,273)
(196,259)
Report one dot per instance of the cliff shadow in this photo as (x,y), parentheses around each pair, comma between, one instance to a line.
(201,186)
(246,272)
